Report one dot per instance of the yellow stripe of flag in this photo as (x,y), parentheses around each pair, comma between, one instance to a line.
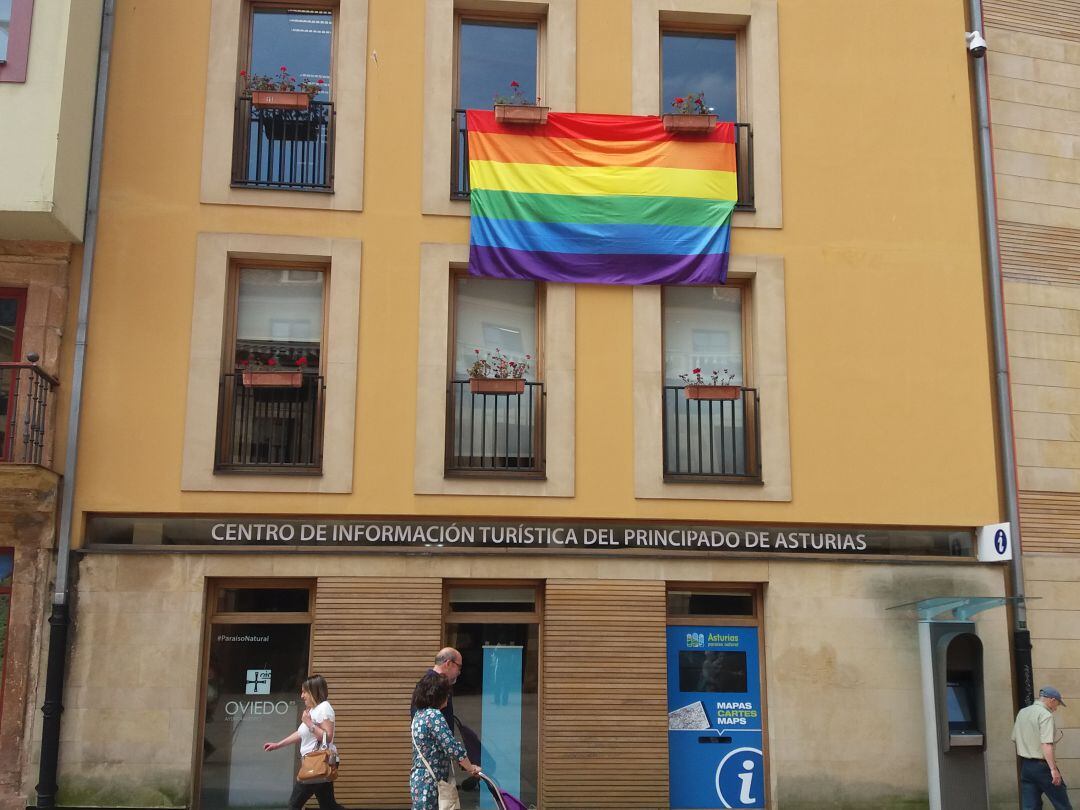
(633,181)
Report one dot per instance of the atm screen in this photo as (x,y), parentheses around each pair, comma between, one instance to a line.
(712,671)
(958,702)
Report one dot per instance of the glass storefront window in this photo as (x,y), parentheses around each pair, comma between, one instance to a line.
(495,697)
(709,603)
(253,674)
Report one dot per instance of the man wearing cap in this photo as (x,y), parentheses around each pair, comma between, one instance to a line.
(1033,734)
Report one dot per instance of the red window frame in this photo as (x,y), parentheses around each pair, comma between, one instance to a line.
(18,52)
(5,590)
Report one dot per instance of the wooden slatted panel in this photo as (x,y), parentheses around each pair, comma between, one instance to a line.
(605,695)
(1040,253)
(372,639)
(1049,18)
(1050,521)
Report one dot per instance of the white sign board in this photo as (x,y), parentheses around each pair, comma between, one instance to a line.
(994,543)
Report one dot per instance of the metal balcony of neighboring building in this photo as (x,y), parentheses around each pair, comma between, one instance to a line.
(744,162)
(25,391)
(714,441)
(284,149)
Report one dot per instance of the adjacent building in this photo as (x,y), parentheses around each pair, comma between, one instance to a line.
(1034,68)
(661,601)
(48,65)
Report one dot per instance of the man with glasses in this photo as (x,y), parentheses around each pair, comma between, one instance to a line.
(1034,736)
(448,664)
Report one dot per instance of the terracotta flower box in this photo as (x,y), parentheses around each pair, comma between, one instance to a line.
(713,392)
(684,124)
(279,100)
(520,114)
(486,385)
(272,379)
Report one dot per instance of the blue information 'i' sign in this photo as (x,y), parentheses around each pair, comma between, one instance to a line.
(1001,541)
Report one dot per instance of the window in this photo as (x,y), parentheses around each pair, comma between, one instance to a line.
(496,628)
(15,18)
(700,63)
(491,53)
(494,431)
(272,388)
(286,142)
(257,656)
(7,567)
(709,431)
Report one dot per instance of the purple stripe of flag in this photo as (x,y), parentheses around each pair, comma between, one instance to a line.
(602,268)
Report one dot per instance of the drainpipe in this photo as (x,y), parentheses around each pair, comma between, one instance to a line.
(1024,679)
(59,619)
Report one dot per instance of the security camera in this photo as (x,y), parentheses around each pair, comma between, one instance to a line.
(976,44)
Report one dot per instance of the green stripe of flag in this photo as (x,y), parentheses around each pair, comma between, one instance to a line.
(600,210)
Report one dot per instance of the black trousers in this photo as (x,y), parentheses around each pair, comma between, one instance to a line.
(324,792)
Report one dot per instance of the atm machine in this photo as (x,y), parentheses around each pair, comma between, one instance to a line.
(716,758)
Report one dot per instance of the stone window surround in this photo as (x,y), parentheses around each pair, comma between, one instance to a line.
(768,357)
(558,63)
(349,88)
(214,255)
(758,18)
(558,339)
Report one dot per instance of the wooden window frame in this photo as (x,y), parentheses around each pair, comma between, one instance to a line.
(535,616)
(13,66)
(18,294)
(742,98)
(247,34)
(735,588)
(461,15)
(211,617)
(228,358)
(458,272)
(746,311)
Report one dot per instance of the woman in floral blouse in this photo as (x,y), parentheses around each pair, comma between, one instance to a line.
(435,741)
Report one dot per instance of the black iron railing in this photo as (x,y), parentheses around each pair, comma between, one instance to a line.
(500,434)
(276,428)
(712,439)
(284,149)
(24,411)
(744,162)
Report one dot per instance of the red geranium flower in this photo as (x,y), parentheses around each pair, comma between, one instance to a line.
(514,84)
(679,100)
(272,361)
(243,73)
(301,361)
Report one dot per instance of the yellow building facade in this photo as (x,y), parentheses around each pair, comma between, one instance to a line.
(234,532)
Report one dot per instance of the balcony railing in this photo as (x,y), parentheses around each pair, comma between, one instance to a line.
(284,149)
(270,429)
(495,434)
(712,440)
(24,411)
(744,162)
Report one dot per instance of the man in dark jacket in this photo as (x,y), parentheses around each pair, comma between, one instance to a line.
(447,663)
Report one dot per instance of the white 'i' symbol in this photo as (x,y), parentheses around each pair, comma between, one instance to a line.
(745,778)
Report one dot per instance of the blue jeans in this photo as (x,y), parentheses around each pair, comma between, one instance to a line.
(1035,782)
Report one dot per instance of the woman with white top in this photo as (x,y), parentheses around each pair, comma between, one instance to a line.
(317,725)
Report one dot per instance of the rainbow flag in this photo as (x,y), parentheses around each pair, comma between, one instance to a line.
(600,199)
